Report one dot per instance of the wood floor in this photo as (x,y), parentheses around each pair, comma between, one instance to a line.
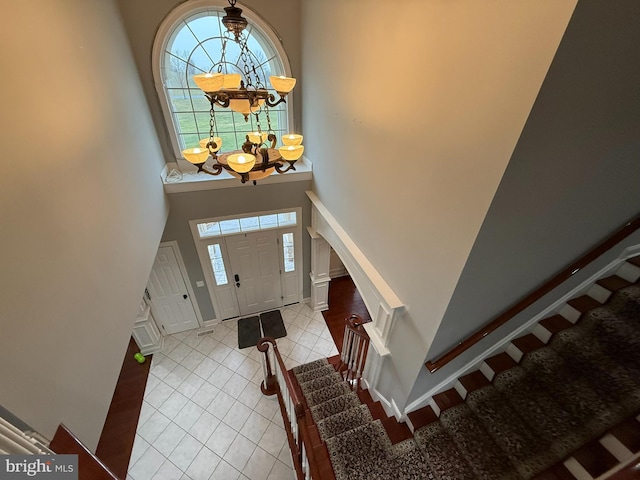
(119,431)
(118,434)
(344,300)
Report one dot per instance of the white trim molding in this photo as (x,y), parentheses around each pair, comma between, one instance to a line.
(380,300)
(382,303)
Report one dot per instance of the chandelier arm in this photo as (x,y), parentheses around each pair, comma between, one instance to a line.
(221,99)
(216,169)
(271,100)
(280,167)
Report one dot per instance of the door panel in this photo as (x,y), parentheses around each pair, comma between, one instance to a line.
(254,258)
(169,298)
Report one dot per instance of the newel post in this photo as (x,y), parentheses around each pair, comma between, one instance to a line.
(269,384)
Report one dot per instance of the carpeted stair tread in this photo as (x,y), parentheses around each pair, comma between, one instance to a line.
(344,421)
(528,453)
(406,462)
(321,382)
(365,453)
(325,394)
(485,457)
(352,453)
(583,352)
(334,405)
(547,418)
(322,362)
(441,453)
(304,377)
(575,394)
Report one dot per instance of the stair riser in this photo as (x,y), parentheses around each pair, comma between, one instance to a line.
(629,272)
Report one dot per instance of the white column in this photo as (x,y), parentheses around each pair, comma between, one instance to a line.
(320,259)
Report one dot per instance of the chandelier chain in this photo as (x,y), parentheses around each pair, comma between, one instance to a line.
(223,51)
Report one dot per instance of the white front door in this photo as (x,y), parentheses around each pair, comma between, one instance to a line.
(167,292)
(255,270)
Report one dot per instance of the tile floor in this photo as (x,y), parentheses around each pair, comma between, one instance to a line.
(204,417)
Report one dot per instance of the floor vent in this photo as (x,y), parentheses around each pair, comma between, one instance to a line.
(207,331)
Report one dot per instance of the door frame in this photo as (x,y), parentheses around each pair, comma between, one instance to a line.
(185,276)
(203,255)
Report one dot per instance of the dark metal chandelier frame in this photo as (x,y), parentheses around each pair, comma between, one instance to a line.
(258,98)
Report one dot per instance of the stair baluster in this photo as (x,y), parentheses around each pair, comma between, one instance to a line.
(354,351)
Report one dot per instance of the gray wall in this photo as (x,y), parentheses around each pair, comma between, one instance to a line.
(574,176)
(82,212)
(232,201)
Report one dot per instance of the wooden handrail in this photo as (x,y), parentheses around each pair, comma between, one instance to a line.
(537,294)
(90,467)
(301,445)
(354,323)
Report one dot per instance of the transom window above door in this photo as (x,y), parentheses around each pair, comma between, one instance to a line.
(246,224)
(189,42)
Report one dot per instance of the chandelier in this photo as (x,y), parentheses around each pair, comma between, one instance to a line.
(246,94)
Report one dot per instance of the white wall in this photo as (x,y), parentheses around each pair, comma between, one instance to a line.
(82,210)
(410,122)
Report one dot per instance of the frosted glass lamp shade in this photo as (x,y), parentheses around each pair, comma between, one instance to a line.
(217,140)
(209,82)
(291,139)
(241,162)
(231,80)
(242,106)
(196,155)
(282,84)
(258,137)
(291,152)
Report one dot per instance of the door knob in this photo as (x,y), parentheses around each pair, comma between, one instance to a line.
(238,284)
(185,296)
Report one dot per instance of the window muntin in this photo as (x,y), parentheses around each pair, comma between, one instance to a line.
(247,224)
(193,46)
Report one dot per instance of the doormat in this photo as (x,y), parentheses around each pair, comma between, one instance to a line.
(248,332)
(272,324)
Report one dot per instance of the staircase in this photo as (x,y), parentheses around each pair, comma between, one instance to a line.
(560,403)
(352,436)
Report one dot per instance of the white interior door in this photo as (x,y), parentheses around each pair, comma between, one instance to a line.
(170,303)
(255,270)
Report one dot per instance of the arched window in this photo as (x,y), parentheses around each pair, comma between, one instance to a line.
(188,42)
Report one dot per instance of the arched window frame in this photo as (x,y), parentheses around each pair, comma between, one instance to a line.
(178,16)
